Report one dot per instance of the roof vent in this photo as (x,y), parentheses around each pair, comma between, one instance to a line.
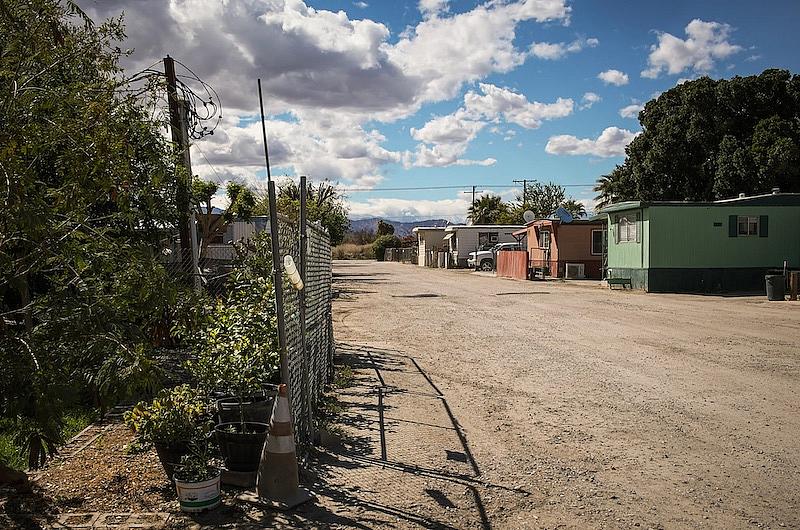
(776,191)
(742,195)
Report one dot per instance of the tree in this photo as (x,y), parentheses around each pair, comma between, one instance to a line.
(88,186)
(712,139)
(384,228)
(605,190)
(542,200)
(487,210)
(575,208)
(241,203)
(324,205)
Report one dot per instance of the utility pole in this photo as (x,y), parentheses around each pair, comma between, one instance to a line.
(473,204)
(178,122)
(524,183)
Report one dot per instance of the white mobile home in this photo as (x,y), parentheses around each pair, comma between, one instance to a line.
(430,240)
(463,239)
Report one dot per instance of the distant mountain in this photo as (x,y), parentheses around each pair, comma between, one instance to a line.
(401,228)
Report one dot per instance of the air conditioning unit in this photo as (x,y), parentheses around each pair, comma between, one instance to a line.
(576,271)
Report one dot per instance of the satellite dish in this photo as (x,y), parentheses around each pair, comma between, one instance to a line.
(529,216)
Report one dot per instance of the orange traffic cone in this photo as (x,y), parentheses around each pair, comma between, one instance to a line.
(277,481)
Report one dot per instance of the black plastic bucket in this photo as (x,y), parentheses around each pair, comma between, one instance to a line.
(776,284)
(241,450)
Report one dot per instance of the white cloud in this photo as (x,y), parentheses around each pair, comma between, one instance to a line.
(706,42)
(446,52)
(445,139)
(611,142)
(553,51)
(453,128)
(334,76)
(631,111)
(362,5)
(452,209)
(589,99)
(495,102)
(430,8)
(613,77)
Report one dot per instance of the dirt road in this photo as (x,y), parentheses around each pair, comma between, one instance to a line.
(483,402)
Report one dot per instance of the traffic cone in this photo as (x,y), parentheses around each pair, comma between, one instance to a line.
(277,481)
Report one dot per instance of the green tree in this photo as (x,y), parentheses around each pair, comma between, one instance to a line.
(712,139)
(324,205)
(488,209)
(384,228)
(541,199)
(88,186)
(577,209)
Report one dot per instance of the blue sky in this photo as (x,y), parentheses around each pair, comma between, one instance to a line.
(436,93)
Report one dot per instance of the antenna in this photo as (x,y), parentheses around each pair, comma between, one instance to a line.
(529,216)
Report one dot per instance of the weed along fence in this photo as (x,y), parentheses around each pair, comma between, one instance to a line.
(309,334)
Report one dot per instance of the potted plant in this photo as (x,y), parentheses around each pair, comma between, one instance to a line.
(196,482)
(238,356)
(170,423)
(241,439)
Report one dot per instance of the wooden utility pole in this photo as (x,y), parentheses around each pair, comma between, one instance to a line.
(524,183)
(178,123)
(473,204)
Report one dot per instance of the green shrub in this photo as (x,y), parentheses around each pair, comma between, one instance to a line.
(238,349)
(382,243)
(175,415)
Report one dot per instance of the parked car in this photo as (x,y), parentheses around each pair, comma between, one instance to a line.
(486,258)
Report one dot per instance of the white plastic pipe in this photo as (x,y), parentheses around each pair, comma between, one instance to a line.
(292,272)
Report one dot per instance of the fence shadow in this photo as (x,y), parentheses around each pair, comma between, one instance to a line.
(368,455)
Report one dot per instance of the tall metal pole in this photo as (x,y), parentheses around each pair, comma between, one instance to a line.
(302,295)
(277,266)
(180,138)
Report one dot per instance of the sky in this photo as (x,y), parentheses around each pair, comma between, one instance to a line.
(379,95)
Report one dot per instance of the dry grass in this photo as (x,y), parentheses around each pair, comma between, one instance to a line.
(352,251)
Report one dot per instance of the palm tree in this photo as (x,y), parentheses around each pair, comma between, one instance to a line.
(577,209)
(605,190)
(487,210)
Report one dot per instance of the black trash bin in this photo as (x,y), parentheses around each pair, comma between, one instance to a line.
(776,284)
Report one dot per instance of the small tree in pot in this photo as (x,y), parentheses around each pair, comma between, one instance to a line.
(196,482)
(170,423)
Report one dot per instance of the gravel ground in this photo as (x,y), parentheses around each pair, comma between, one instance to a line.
(582,407)
(477,402)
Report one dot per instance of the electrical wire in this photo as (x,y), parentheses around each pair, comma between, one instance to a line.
(465,187)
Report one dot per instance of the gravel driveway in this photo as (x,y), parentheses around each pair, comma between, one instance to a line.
(532,404)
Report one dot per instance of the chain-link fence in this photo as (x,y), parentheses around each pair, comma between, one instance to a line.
(308,373)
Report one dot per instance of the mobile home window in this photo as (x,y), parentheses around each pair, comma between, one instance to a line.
(487,238)
(544,239)
(748,226)
(597,242)
(626,230)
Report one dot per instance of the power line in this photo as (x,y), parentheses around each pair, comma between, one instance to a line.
(467,188)
(220,180)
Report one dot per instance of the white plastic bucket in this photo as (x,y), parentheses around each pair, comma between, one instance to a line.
(199,496)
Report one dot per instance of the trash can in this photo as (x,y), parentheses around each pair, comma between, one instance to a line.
(775,286)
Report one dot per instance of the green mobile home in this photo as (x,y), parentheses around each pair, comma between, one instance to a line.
(716,246)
